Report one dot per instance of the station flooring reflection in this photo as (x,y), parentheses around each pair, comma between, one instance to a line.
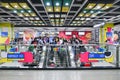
(60,75)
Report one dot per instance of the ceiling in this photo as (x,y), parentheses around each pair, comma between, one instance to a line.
(59,12)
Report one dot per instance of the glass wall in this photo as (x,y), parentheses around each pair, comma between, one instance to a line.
(60,56)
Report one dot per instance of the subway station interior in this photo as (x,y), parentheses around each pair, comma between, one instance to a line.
(63,39)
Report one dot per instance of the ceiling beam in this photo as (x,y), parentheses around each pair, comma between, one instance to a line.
(46,11)
(49,26)
(29,1)
(78,11)
(68,12)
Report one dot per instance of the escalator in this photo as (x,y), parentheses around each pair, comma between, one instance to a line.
(46,57)
(53,58)
(62,59)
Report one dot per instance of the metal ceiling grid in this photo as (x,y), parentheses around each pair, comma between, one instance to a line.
(59,12)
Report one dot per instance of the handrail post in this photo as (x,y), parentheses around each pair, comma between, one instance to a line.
(6,47)
(117,56)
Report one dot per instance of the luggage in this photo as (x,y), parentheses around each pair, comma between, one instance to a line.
(85,64)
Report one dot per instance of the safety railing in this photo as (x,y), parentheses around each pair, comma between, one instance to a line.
(100,55)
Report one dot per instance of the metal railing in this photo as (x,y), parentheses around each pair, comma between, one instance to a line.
(114,49)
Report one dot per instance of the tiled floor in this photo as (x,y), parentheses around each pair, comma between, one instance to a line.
(60,75)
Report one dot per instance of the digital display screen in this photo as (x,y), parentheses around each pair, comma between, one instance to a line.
(15,56)
(81,33)
(109,34)
(68,33)
(96,55)
(4,34)
(20,32)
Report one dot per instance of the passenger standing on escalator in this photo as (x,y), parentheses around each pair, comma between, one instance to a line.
(52,49)
(46,40)
(34,44)
(75,41)
(62,48)
(40,42)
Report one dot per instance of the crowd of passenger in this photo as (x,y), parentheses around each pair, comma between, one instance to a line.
(49,40)
(55,40)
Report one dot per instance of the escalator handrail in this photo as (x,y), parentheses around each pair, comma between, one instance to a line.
(69,60)
(45,59)
(67,57)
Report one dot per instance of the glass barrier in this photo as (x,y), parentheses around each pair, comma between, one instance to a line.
(59,56)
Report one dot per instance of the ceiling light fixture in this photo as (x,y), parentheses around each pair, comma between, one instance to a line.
(49,9)
(99,11)
(90,7)
(33,15)
(48,4)
(29,11)
(62,19)
(26,18)
(66,4)
(87,18)
(106,7)
(57,4)
(75,24)
(22,11)
(7,6)
(93,15)
(81,15)
(84,11)
(15,11)
(36,21)
(77,18)
(31,18)
(9,18)
(37,18)
(26,15)
(87,15)
(82,18)
(91,11)
(21,15)
(57,9)
(79,24)
(15,6)
(24,6)
(83,22)
(51,15)
(56,15)
(63,15)
(98,7)
(99,25)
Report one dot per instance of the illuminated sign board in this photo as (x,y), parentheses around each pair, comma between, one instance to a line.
(15,56)
(96,55)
